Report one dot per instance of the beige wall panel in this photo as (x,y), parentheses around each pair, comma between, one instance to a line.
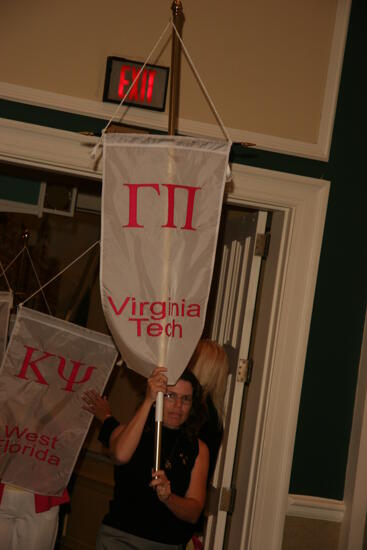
(310,534)
(264,63)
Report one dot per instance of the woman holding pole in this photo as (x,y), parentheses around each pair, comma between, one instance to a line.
(155,510)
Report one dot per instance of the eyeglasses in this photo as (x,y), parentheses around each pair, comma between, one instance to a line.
(173,397)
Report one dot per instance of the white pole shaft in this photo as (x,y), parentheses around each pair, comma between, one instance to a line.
(158,430)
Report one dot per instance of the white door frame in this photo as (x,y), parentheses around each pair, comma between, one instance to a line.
(303,201)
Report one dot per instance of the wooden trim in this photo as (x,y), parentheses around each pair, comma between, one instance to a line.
(326,509)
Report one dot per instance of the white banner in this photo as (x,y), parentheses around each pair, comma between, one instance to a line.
(6,303)
(161,205)
(48,364)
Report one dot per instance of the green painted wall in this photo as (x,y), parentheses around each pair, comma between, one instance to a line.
(326,409)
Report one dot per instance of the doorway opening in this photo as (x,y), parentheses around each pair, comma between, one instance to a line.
(263,454)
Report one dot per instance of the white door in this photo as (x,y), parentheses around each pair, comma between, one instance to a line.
(232,326)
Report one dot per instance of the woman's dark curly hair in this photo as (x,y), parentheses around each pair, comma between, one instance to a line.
(197,412)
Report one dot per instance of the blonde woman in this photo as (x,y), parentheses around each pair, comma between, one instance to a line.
(210,365)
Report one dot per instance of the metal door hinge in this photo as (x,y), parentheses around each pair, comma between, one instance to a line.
(244,371)
(227,498)
(262,244)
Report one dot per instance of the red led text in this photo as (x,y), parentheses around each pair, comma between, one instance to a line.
(142,89)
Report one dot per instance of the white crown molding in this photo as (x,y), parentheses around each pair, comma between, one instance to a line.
(155,120)
(48,149)
(159,121)
(310,507)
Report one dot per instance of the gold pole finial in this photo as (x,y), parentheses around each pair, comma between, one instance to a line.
(25,236)
(176,7)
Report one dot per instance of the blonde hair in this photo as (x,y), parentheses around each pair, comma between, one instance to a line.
(209,363)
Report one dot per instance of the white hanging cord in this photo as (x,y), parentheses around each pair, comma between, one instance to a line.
(202,85)
(98,144)
(38,281)
(14,259)
(60,272)
(5,277)
(25,248)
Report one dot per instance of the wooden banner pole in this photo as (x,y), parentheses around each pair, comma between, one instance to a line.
(178,19)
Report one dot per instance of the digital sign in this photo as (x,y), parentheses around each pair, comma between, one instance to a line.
(149,90)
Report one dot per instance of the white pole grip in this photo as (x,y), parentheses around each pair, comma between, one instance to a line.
(159,407)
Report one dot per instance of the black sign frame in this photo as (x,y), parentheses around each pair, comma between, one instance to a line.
(110,96)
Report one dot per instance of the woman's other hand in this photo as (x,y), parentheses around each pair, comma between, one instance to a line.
(161,485)
(97,405)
